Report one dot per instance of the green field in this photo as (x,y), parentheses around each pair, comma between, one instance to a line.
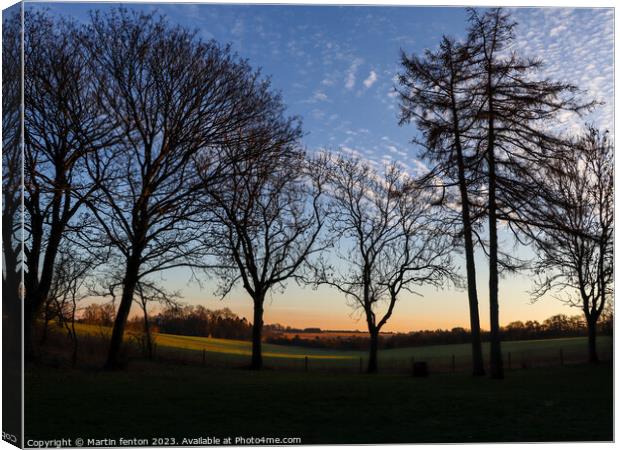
(228,352)
(171,401)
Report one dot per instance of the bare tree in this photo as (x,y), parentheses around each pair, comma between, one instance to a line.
(70,286)
(571,224)
(12,216)
(177,100)
(62,126)
(265,219)
(148,293)
(513,128)
(11,182)
(390,240)
(434,93)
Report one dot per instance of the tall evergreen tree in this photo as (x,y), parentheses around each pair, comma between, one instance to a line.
(513,128)
(434,94)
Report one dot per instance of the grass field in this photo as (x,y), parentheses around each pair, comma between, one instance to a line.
(157,400)
(229,352)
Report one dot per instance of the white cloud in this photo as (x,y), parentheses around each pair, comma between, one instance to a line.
(321,96)
(317,97)
(238,28)
(394,149)
(318,114)
(351,73)
(576,46)
(557,30)
(372,78)
(350,80)
(350,151)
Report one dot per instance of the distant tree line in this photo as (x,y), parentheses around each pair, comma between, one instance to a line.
(189,320)
(96,314)
(558,326)
(200,321)
(196,320)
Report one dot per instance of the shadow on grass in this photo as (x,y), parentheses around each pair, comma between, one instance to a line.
(155,400)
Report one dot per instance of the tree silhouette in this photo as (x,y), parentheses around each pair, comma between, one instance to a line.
(512,129)
(109,283)
(149,292)
(69,288)
(11,160)
(434,93)
(390,240)
(571,225)
(63,125)
(177,100)
(11,175)
(12,216)
(266,216)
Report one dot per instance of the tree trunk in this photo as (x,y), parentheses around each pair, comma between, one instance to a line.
(257,331)
(592,354)
(147,336)
(497,370)
(46,322)
(374,347)
(116,341)
(31,311)
(474,320)
(37,289)
(472,291)
(12,319)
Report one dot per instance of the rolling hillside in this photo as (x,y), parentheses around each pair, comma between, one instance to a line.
(229,351)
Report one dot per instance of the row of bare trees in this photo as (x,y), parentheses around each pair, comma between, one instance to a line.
(489,124)
(148,150)
(130,125)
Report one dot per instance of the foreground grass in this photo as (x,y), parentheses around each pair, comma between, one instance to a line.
(159,400)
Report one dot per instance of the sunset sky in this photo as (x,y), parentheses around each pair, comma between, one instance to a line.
(336,67)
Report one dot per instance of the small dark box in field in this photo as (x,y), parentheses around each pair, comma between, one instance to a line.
(420,369)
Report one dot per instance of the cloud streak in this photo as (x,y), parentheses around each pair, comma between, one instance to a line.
(352,73)
(372,78)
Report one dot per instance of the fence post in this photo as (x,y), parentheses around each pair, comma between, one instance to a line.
(204,356)
(306,363)
(412,363)
(509,361)
(361,364)
(561,357)
(453,363)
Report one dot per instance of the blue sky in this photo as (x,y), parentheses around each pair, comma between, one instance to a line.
(335,67)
